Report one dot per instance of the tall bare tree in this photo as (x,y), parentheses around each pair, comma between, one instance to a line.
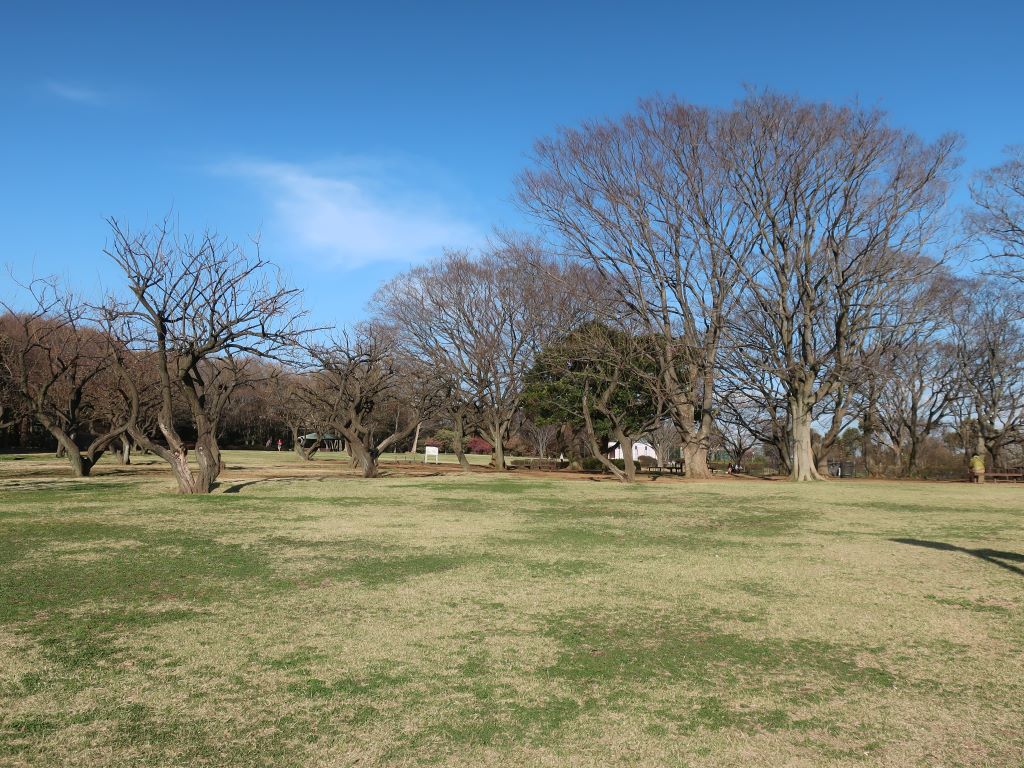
(541,435)
(843,204)
(734,432)
(645,200)
(206,310)
(433,311)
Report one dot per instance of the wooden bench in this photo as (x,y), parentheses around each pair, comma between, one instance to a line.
(671,469)
(1011,476)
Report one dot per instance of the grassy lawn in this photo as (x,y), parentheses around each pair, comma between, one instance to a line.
(324,620)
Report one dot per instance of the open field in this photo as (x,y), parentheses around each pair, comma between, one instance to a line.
(302,616)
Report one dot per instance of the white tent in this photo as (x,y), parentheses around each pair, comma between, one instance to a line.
(640,448)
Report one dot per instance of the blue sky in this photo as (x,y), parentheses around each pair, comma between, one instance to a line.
(360,138)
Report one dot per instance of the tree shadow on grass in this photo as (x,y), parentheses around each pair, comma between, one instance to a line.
(993,556)
(237,487)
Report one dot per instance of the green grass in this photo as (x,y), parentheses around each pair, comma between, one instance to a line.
(302,616)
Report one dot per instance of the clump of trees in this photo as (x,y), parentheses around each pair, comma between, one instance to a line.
(773,280)
(62,368)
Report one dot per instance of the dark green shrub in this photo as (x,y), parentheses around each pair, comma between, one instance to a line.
(594,464)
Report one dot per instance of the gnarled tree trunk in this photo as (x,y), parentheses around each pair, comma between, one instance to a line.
(365,458)
(306,454)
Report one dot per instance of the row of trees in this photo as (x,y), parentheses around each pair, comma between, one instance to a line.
(765,275)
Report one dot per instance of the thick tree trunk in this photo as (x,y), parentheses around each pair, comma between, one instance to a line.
(695,459)
(995,451)
(627,460)
(364,458)
(80,467)
(66,449)
(897,458)
(804,467)
(176,455)
(694,448)
(210,465)
(822,464)
(195,482)
(188,482)
(499,453)
(496,433)
(912,456)
(458,443)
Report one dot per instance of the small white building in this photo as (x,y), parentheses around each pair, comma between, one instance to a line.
(640,448)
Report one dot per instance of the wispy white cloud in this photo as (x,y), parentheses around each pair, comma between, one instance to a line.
(358,212)
(74,93)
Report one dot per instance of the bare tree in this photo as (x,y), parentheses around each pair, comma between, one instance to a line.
(428,311)
(541,435)
(734,433)
(296,400)
(915,397)
(205,310)
(843,205)
(990,355)
(644,199)
(998,218)
(904,379)
(478,322)
(753,401)
(374,397)
(66,373)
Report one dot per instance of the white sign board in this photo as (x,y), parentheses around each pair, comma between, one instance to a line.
(430,450)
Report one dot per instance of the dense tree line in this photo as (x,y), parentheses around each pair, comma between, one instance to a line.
(778,278)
